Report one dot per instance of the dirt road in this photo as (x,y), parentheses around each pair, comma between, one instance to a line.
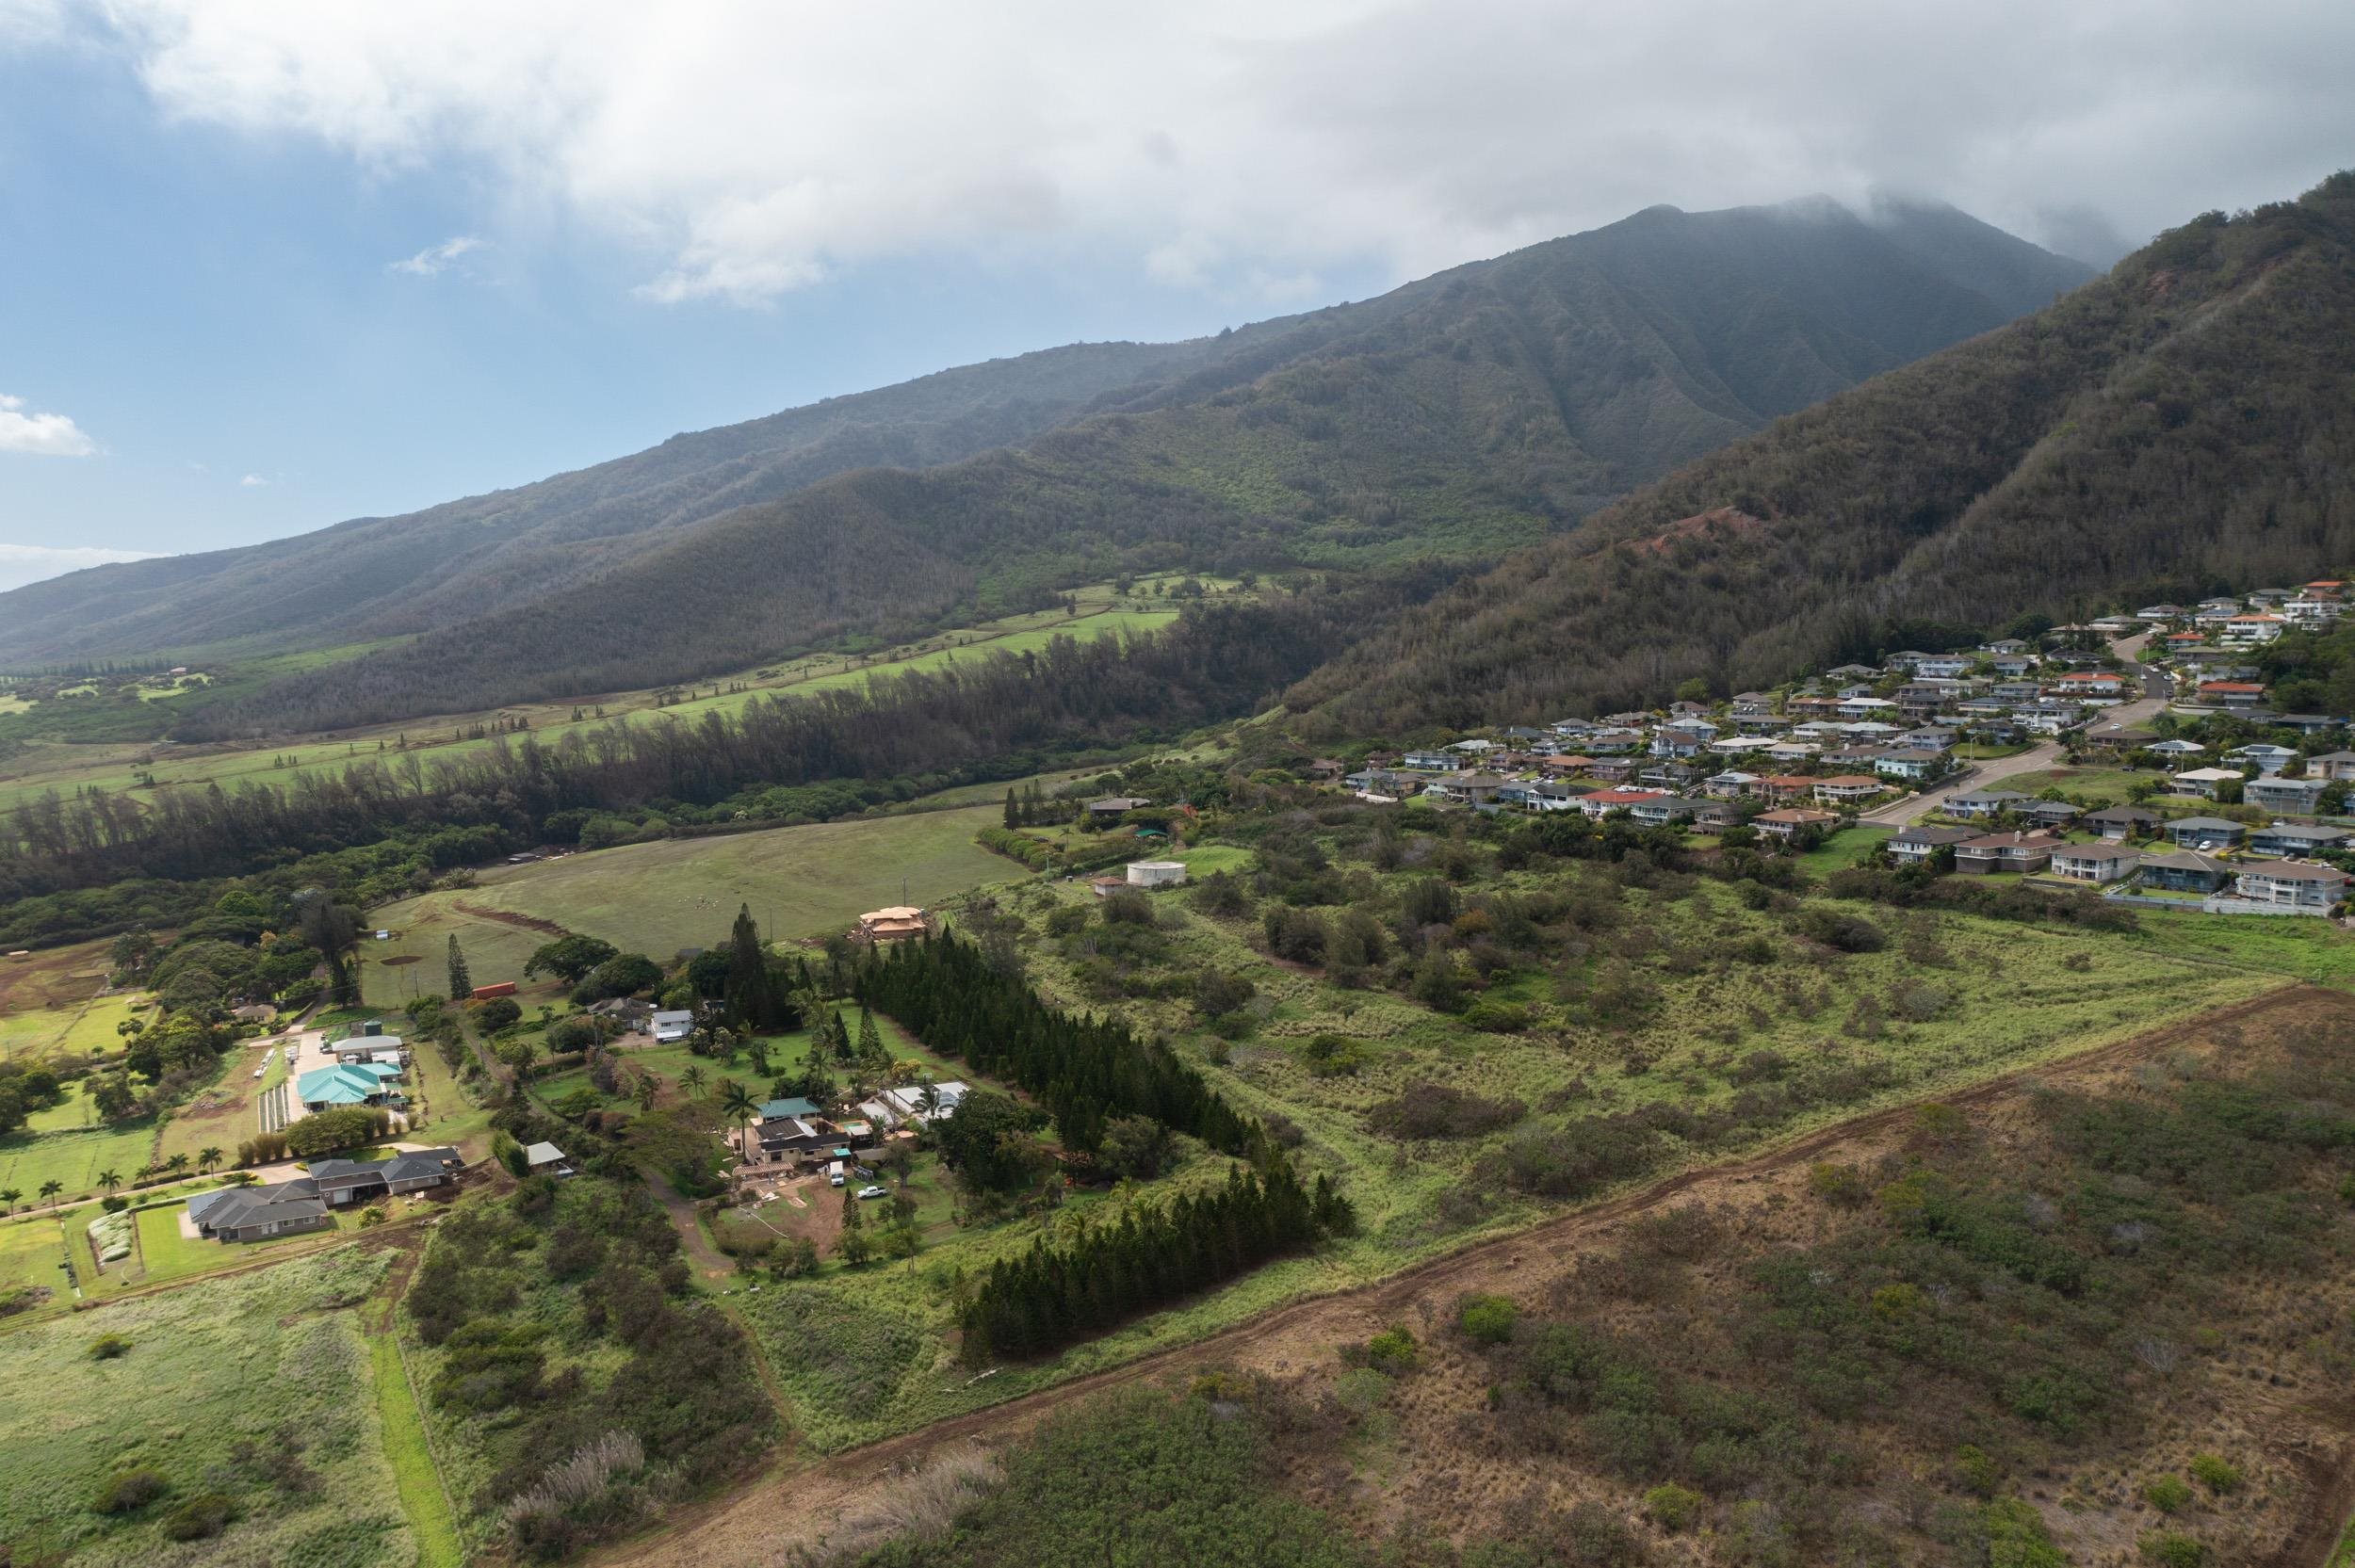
(793,1503)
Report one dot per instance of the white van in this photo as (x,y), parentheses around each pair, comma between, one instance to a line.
(834,1174)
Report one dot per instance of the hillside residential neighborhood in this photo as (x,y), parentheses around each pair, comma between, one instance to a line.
(2220,798)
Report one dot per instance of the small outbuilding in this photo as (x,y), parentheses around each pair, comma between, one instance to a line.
(1156,873)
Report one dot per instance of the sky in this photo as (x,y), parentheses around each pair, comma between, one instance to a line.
(268,264)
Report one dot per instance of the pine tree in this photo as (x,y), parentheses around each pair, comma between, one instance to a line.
(851,1219)
(871,1045)
(1014,812)
(751,1002)
(838,1035)
(461,982)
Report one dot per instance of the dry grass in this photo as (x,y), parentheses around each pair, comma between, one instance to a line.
(922,1502)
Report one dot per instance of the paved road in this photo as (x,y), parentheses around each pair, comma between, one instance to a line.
(2037,758)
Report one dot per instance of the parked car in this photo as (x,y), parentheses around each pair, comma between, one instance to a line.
(870,1191)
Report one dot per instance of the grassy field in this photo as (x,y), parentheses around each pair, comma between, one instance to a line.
(661,897)
(2110,786)
(74,1157)
(1841,849)
(272,1359)
(2305,949)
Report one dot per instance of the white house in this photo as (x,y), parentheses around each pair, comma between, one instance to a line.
(672,1026)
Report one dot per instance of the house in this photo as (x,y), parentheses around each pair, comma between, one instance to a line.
(1941,667)
(2158,612)
(1476,749)
(383,1050)
(2184,871)
(2122,821)
(1661,810)
(2295,797)
(909,1101)
(2203,782)
(2094,863)
(1715,816)
(1468,789)
(1851,673)
(1981,805)
(2089,685)
(1785,786)
(2250,631)
(2010,851)
(1789,820)
(2048,814)
(545,1159)
(782,1136)
(256,1213)
(894,923)
(2205,832)
(2296,839)
(1750,705)
(1912,764)
(1914,845)
(2013,665)
(2114,737)
(2269,759)
(2309,611)
(1422,762)
(673,1024)
(1603,802)
(1865,707)
(1734,784)
(1114,807)
(1156,873)
(344,1182)
(1847,788)
(349,1084)
(1761,724)
(2293,885)
(2175,749)
(2338,767)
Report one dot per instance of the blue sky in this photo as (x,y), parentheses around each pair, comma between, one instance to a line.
(677,216)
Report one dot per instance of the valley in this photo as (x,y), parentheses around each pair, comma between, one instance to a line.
(1684,897)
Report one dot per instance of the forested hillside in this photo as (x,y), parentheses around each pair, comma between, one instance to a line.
(1465,415)
(2185,423)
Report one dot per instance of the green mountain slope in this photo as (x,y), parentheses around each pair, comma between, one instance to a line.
(2186,421)
(1463,415)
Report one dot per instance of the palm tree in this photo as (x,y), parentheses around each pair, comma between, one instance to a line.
(176,1164)
(691,1078)
(648,1088)
(207,1158)
(739,1107)
(50,1188)
(8,1195)
(110,1178)
(928,1097)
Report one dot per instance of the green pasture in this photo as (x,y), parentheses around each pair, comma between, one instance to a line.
(274,1358)
(660,896)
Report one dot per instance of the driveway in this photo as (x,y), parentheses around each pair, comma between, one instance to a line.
(2037,758)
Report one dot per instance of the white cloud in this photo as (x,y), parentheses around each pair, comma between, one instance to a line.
(749,148)
(29,563)
(41,435)
(434,259)
(253,481)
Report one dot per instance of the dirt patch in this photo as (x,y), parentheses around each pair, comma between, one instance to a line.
(1718,522)
(508,917)
(762,1523)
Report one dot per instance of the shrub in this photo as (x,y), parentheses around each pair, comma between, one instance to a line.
(114,1202)
(1672,1506)
(2173,1549)
(200,1518)
(1976,1471)
(1496,1017)
(1849,933)
(1437,1110)
(1393,1351)
(128,1490)
(1840,1186)
(1333,1056)
(2213,1472)
(2168,1493)
(497,1013)
(1487,1320)
(1068,919)
(107,1347)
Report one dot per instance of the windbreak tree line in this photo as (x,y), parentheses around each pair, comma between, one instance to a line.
(1051,1297)
(1218,661)
(1084,1070)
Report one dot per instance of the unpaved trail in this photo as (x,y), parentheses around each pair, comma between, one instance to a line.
(792,1503)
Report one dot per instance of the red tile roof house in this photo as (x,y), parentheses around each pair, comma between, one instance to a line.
(2089,683)
(2232,693)
(2014,851)
(1603,800)
(1848,787)
(1783,823)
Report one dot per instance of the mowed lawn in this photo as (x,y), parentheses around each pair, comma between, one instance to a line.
(74,1157)
(248,1358)
(659,898)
